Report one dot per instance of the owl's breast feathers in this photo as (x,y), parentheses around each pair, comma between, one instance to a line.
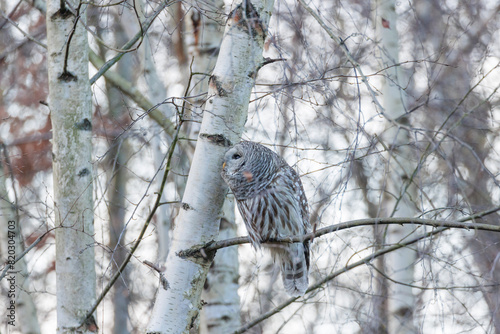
(277,210)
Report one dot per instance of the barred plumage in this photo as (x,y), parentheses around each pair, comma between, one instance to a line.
(273,204)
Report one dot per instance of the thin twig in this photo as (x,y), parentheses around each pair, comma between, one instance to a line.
(27,35)
(326,279)
(347,53)
(139,35)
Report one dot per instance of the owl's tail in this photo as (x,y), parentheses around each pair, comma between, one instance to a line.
(295,268)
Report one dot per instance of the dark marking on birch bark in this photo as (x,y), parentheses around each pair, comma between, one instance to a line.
(85,125)
(63,13)
(67,77)
(217,85)
(164,283)
(246,17)
(83,172)
(217,139)
(186,206)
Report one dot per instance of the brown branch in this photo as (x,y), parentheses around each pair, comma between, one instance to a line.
(460,224)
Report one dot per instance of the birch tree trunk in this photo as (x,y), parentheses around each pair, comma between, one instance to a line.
(221,313)
(400,192)
(71,113)
(177,307)
(203,39)
(460,104)
(117,176)
(24,314)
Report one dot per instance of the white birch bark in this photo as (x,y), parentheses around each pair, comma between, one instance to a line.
(71,113)
(24,314)
(204,29)
(177,307)
(400,168)
(221,313)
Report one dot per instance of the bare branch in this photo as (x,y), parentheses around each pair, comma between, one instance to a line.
(131,91)
(460,224)
(27,35)
(346,51)
(321,283)
(144,28)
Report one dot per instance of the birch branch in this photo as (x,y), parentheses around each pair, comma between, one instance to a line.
(441,226)
(201,251)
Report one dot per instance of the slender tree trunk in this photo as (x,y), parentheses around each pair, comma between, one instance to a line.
(204,30)
(177,307)
(24,315)
(469,120)
(71,113)
(400,192)
(157,93)
(221,313)
(117,176)
(378,322)
(117,181)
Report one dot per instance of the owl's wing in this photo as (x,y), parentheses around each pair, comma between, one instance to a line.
(279,210)
(292,219)
(291,181)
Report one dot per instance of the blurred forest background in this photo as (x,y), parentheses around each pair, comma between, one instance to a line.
(387,109)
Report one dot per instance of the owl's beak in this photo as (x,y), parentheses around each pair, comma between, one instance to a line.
(224,165)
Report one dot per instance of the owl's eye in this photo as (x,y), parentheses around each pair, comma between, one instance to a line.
(236,156)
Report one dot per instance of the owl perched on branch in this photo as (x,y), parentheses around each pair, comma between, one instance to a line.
(272,203)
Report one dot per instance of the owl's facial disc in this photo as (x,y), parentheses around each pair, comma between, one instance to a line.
(233,161)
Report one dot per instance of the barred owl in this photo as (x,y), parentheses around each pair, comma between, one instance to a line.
(272,202)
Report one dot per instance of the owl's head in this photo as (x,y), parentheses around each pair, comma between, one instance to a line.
(248,167)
